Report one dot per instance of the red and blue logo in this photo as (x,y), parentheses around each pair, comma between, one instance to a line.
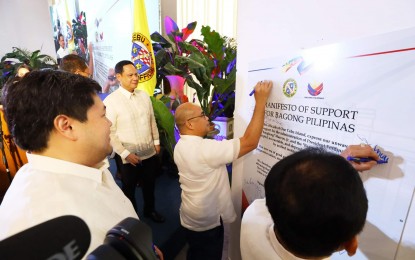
(315,89)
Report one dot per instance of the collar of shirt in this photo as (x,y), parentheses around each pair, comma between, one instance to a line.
(127,93)
(280,249)
(49,164)
(190,137)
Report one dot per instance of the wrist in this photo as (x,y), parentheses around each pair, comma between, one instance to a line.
(260,104)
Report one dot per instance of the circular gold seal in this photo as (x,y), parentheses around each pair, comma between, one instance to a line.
(142,57)
(290,87)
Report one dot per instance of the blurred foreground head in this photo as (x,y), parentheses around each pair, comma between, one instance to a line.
(317,202)
(32,103)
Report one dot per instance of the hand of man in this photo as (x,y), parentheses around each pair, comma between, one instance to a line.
(133,159)
(157,149)
(262,91)
(361,151)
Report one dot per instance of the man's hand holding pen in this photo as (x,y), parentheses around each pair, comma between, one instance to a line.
(362,157)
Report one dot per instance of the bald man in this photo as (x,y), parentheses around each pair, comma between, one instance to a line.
(206,195)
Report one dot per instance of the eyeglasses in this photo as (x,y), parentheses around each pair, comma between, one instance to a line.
(201,115)
(111,77)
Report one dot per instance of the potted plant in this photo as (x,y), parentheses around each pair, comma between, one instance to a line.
(166,51)
(208,65)
(12,60)
(222,50)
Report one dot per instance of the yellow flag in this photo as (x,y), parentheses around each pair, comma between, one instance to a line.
(142,54)
(69,36)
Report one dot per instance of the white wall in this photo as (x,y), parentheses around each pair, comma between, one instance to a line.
(220,15)
(153,15)
(168,8)
(267,28)
(26,24)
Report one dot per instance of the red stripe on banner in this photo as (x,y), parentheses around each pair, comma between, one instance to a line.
(380,53)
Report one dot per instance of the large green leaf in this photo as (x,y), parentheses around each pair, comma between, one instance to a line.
(165,123)
(172,70)
(157,37)
(191,63)
(200,91)
(214,41)
(223,85)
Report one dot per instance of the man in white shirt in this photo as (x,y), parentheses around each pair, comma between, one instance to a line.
(134,137)
(315,205)
(58,118)
(62,51)
(206,197)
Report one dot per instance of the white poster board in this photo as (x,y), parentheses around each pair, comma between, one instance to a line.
(110,29)
(109,26)
(361,91)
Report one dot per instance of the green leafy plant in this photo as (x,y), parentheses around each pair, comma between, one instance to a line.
(165,124)
(12,60)
(222,51)
(209,65)
(166,51)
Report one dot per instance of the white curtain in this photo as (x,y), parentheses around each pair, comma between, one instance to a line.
(220,15)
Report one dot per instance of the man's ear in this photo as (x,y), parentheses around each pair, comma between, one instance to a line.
(189,125)
(351,246)
(63,126)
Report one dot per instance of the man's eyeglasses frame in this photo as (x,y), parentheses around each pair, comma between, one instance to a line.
(201,115)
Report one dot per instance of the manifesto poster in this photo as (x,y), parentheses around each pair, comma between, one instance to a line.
(357,92)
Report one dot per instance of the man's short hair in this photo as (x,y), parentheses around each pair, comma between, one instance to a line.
(32,103)
(317,202)
(120,65)
(73,63)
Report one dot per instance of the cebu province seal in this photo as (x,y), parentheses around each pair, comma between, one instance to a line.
(142,57)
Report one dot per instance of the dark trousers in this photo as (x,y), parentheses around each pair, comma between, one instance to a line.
(143,173)
(205,245)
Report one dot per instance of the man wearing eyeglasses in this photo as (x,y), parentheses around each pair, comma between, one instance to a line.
(206,196)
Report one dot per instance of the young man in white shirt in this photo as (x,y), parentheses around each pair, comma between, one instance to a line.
(58,118)
(134,137)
